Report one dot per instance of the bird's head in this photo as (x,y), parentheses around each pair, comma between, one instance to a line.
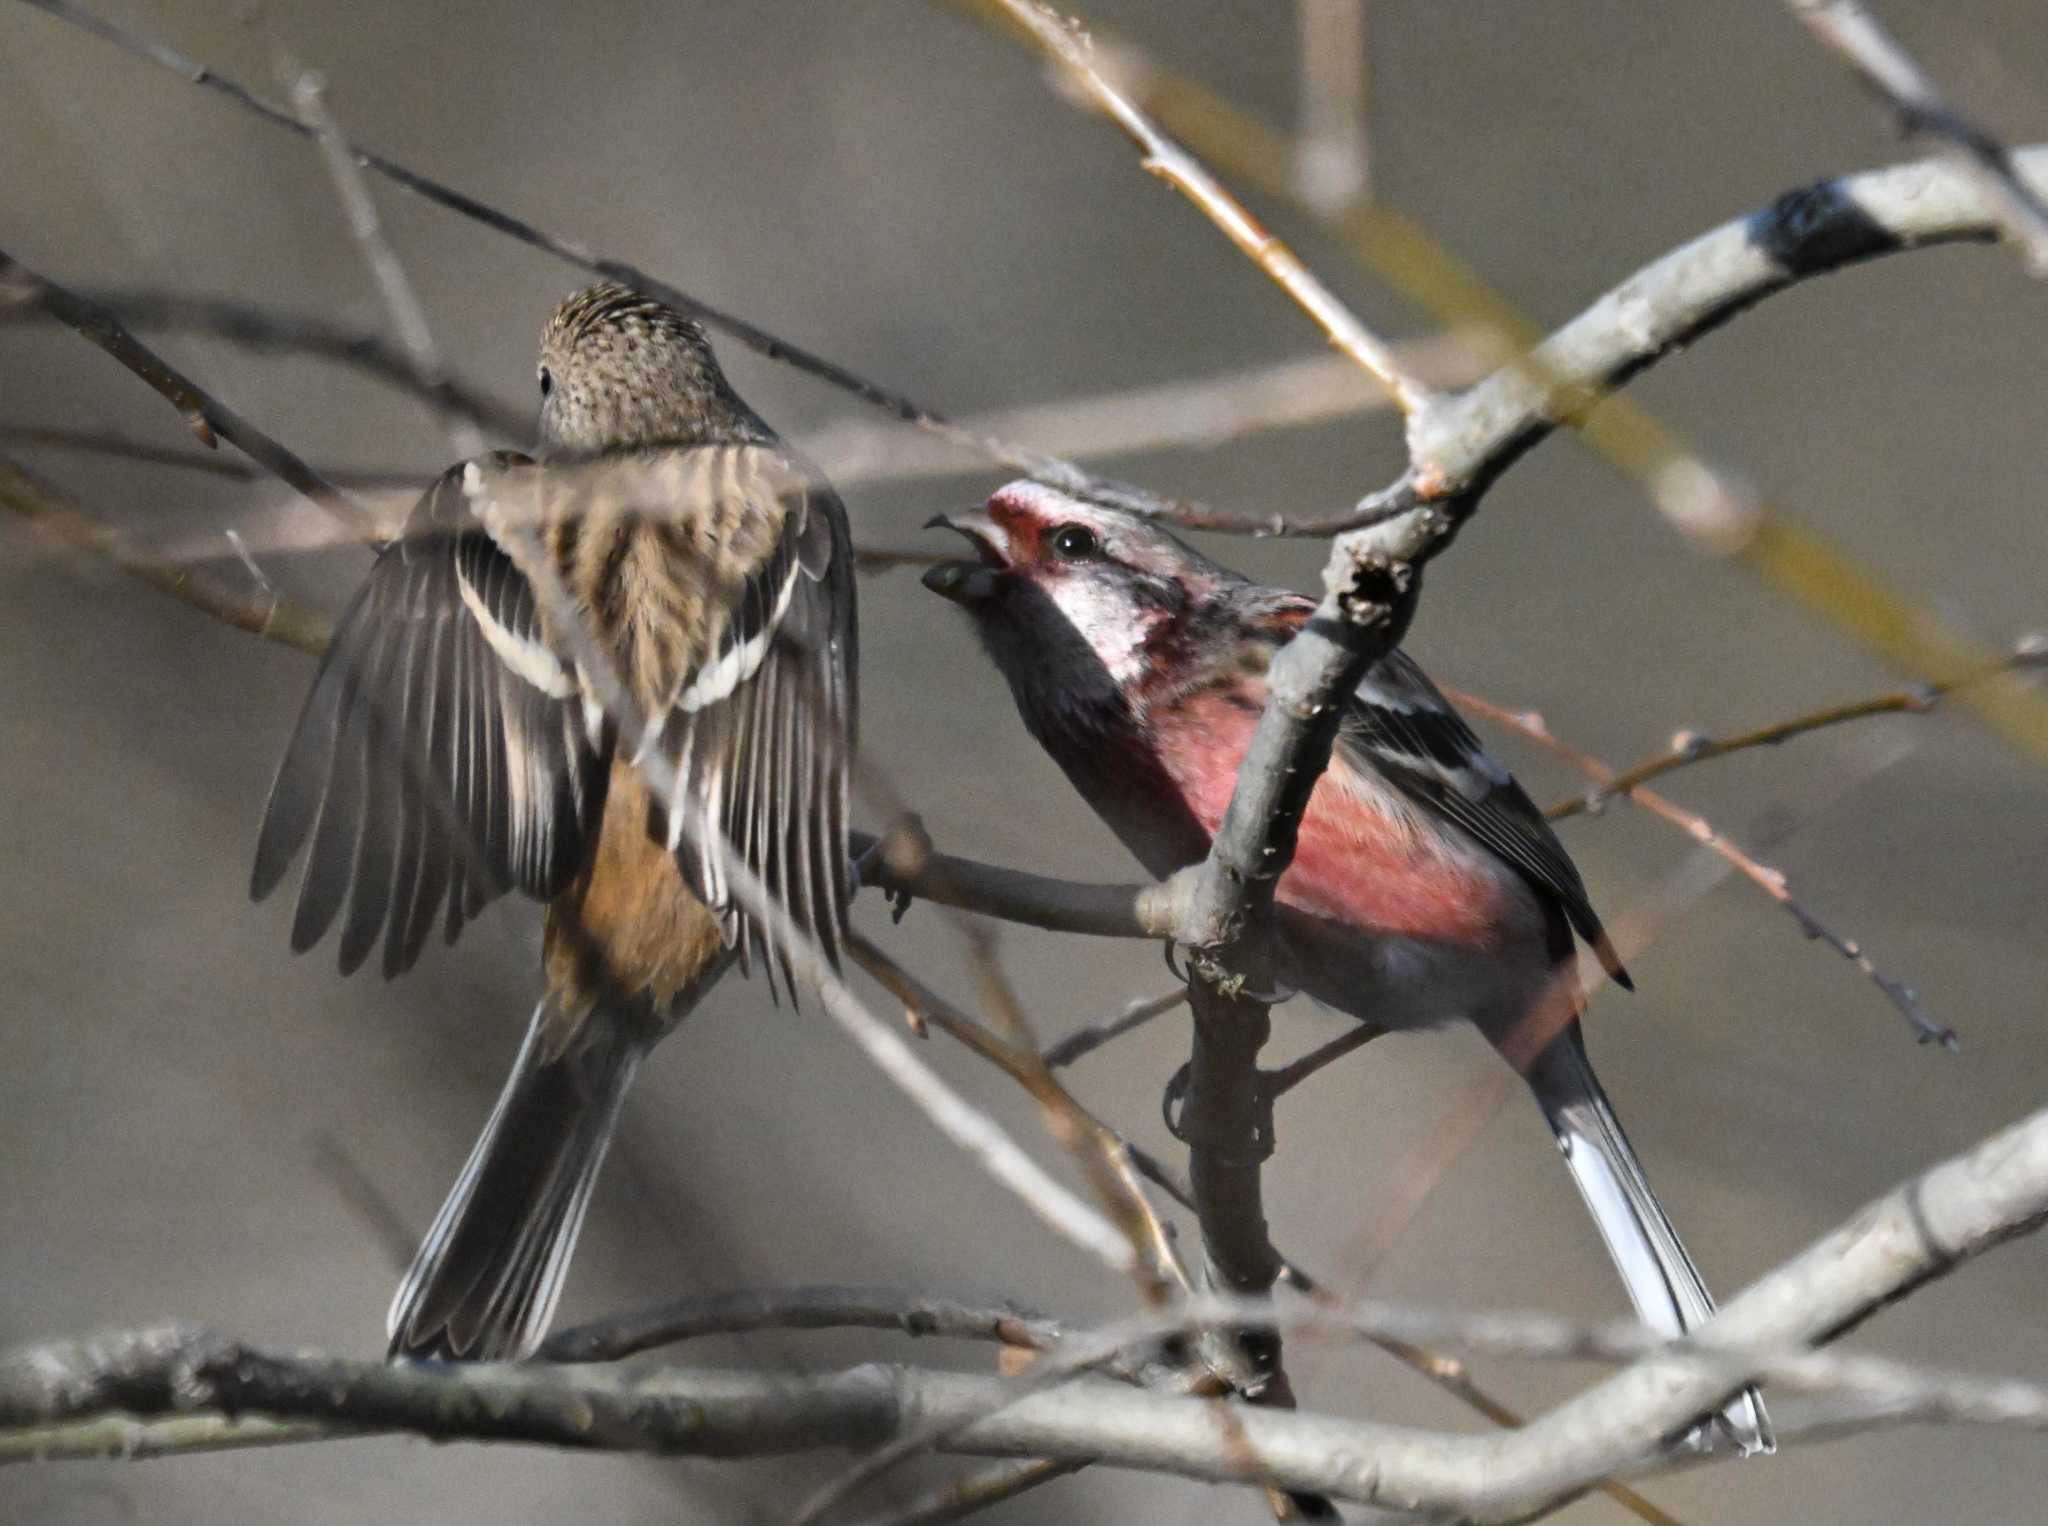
(620,370)
(1084,596)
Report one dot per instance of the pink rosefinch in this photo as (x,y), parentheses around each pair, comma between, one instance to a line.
(1425,888)
(451,750)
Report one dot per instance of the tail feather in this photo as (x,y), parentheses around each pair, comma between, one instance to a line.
(490,1272)
(1669,1294)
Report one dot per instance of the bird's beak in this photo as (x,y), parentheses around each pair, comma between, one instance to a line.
(989,538)
(970,582)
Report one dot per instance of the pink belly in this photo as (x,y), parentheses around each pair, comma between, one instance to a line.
(1356,861)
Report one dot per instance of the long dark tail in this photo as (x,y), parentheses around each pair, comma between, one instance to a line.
(485,1282)
(1662,1281)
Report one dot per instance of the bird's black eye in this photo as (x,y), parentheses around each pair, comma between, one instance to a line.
(547,381)
(1075,543)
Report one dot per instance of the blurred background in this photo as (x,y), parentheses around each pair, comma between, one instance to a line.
(193,1123)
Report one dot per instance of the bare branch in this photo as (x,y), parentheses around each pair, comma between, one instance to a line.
(959,1498)
(58,1397)
(116,446)
(1200,412)
(1690,747)
(1463,446)
(1091,1037)
(1332,155)
(1101,1153)
(408,317)
(260,612)
(274,331)
(1771,881)
(1050,470)
(1035,900)
(802,1308)
(205,414)
(1859,38)
(1173,164)
(1287,1077)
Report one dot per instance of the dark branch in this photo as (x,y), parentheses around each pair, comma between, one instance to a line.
(806,1308)
(1050,470)
(272,331)
(205,414)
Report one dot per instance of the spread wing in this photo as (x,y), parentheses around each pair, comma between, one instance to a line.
(762,728)
(745,664)
(442,756)
(1402,727)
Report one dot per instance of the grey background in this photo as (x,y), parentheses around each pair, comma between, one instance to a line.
(889,184)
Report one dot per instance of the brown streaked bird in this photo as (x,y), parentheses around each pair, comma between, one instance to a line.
(450,750)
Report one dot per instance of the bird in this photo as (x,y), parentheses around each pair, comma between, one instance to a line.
(453,748)
(1426,887)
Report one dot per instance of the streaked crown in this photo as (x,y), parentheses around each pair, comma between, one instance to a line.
(620,370)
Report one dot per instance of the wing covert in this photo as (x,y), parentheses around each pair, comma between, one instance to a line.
(440,757)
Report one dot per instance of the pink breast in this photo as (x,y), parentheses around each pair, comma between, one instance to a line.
(1357,861)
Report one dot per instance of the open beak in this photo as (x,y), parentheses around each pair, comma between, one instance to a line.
(970,582)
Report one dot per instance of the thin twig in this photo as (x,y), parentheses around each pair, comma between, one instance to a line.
(1050,470)
(266,330)
(1771,881)
(1287,1077)
(799,1308)
(1101,1152)
(959,1498)
(1197,413)
(408,316)
(118,447)
(205,414)
(1332,151)
(1173,164)
(261,613)
(1690,747)
(1090,1037)
(1859,38)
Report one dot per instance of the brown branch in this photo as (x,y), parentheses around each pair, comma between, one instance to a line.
(266,330)
(260,613)
(972,1493)
(1689,747)
(1068,46)
(1772,882)
(205,414)
(118,447)
(1050,470)
(1101,1154)
(1713,508)
(1087,1039)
